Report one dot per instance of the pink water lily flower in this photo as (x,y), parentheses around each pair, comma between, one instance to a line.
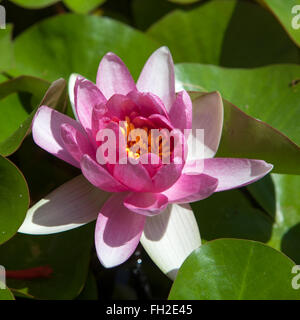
(135,202)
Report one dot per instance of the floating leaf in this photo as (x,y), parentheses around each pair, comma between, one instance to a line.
(287,12)
(34,4)
(83,6)
(227,33)
(263,93)
(70,43)
(245,137)
(16,120)
(14,199)
(6,48)
(5,294)
(233,269)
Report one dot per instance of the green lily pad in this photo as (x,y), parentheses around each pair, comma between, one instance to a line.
(34,4)
(245,137)
(66,253)
(271,93)
(233,269)
(288,17)
(5,294)
(227,33)
(6,48)
(263,93)
(83,6)
(70,43)
(17,115)
(14,199)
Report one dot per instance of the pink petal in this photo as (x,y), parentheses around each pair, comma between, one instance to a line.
(151,162)
(158,77)
(182,111)
(140,122)
(120,106)
(86,97)
(46,132)
(99,176)
(148,103)
(113,76)
(207,115)
(75,142)
(134,176)
(112,144)
(146,203)
(232,172)
(71,205)
(190,188)
(166,176)
(118,232)
(161,121)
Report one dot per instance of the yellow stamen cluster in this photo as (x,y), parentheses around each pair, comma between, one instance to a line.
(139,141)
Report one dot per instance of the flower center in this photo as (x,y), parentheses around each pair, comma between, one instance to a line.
(144,140)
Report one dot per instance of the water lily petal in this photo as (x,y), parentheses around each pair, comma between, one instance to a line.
(166,176)
(46,132)
(231,172)
(170,237)
(161,121)
(146,203)
(113,76)
(120,106)
(158,77)
(190,188)
(207,115)
(71,88)
(181,113)
(87,96)
(148,103)
(99,176)
(69,206)
(134,176)
(75,142)
(118,231)
(151,162)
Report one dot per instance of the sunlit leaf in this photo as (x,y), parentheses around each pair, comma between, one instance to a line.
(70,43)
(6,48)
(229,33)
(264,93)
(288,13)
(14,199)
(233,269)
(34,4)
(83,6)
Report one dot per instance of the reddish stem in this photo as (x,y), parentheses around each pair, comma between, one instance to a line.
(32,273)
